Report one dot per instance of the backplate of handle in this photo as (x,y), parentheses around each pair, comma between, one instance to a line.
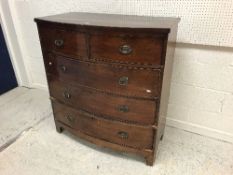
(63,68)
(123,108)
(123,80)
(123,134)
(66,95)
(125,49)
(70,118)
(59,42)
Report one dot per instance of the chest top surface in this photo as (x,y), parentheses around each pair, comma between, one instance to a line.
(112,20)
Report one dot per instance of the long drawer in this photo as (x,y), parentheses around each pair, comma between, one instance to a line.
(115,132)
(116,78)
(105,105)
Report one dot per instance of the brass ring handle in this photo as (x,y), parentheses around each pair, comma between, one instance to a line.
(125,49)
(71,119)
(59,42)
(123,108)
(123,134)
(66,95)
(63,68)
(123,81)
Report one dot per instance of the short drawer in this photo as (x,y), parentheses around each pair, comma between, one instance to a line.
(115,132)
(114,78)
(69,43)
(105,105)
(127,48)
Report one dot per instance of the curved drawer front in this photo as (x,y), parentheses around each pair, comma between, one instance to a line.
(128,81)
(105,105)
(114,132)
(129,48)
(61,41)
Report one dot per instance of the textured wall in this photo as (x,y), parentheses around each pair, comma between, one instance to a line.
(208,22)
(201,97)
(202,84)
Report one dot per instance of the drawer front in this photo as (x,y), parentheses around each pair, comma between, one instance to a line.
(107,77)
(105,105)
(61,41)
(114,132)
(127,48)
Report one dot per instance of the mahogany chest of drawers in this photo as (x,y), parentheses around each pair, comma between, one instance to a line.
(109,77)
